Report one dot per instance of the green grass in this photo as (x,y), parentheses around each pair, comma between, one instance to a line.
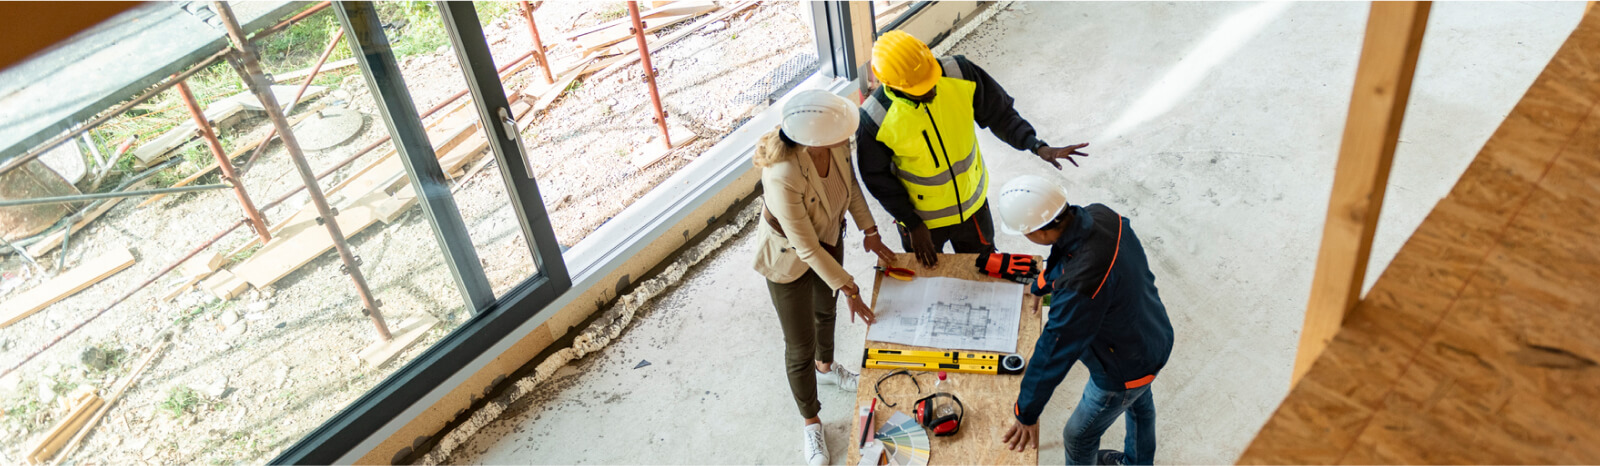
(245,254)
(180,400)
(62,385)
(611,11)
(24,414)
(187,317)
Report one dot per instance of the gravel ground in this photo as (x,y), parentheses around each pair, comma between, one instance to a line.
(271,365)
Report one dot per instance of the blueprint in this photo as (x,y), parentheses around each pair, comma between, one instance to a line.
(948,313)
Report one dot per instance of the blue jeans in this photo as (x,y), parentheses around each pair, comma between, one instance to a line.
(1098,409)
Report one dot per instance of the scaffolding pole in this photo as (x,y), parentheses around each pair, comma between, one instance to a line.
(257,221)
(649,73)
(250,70)
(538,45)
(262,146)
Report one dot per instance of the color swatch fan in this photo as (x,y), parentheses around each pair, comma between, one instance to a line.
(905,442)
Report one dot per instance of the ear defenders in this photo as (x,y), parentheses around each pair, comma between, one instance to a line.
(942,426)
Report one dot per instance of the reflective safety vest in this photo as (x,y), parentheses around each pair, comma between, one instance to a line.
(935,148)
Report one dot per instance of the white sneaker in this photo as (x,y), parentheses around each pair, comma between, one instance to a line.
(815,447)
(840,376)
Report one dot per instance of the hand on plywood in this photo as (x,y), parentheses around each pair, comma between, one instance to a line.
(1052,154)
(1020,437)
(922,244)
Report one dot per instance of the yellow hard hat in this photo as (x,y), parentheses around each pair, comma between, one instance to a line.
(904,63)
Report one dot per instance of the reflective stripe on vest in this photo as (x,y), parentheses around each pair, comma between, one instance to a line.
(968,206)
(935,146)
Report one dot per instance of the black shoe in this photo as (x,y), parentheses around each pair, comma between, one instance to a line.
(1108,457)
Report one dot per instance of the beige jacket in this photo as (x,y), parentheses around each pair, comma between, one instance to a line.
(794,195)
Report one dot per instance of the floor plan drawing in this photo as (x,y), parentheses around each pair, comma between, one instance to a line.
(948,313)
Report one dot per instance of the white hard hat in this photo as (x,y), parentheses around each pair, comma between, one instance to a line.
(1029,202)
(819,118)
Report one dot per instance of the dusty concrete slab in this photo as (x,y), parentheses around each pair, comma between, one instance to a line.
(1214,128)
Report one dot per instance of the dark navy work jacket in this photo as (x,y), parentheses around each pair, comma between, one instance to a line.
(1104,311)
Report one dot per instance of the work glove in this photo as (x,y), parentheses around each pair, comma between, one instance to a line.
(1020,268)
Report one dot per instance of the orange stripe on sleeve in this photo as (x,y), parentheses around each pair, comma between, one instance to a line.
(1114,253)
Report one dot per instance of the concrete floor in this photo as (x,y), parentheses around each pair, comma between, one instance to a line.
(1215,127)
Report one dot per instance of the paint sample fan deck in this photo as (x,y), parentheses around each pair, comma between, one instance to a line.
(904,441)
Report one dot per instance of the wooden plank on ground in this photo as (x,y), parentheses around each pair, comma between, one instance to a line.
(278,258)
(404,335)
(655,45)
(64,285)
(188,284)
(471,148)
(653,151)
(105,407)
(987,397)
(201,264)
(54,239)
(624,21)
(623,38)
(301,73)
(225,285)
(83,408)
(1479,343)
(1372,129)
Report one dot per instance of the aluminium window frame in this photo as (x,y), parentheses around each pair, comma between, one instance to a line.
(365,422)
(494,318)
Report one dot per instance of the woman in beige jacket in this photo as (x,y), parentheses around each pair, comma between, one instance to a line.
(808,182)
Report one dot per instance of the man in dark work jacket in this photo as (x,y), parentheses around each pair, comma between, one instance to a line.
(1105,311)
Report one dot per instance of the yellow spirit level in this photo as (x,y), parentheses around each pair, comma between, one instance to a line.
(949,361)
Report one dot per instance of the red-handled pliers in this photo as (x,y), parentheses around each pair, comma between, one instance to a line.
(896,272)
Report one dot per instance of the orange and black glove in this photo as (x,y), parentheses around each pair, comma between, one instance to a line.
(1020,268)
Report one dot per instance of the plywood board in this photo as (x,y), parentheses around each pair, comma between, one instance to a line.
(64,285)
(988,398)
(281,256)
(1479,343)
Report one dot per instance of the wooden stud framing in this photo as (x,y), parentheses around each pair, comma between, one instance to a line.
(1372,128)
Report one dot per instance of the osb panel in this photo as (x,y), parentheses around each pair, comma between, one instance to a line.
(1480,342)
(988,398)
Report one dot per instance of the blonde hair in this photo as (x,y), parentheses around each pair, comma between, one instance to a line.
(773,148)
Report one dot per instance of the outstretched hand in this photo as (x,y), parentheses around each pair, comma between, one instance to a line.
(857,306)
(1052,154)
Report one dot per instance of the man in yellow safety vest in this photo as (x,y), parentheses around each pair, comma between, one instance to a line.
(917,145)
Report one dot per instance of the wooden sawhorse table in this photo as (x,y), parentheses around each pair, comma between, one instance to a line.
(988,398)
